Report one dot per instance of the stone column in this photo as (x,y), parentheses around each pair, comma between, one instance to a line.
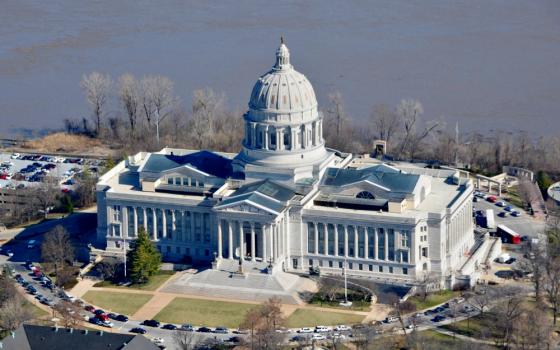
(124,221)
(253,135)
(253,248)
(145,213)
(304,137)
(192,226)
(135,221)
(271,236)
(154,224)
(264,247)
(164,223)
(241,241)
(386,241)
(293,140)
(345,241)
(173,225)
(265,137)
(326,237)
(219,239)
(316,233)
(280,139)
(183,226)
(335,239)
(376,246)
(356,242)
(366,243)
(230,240)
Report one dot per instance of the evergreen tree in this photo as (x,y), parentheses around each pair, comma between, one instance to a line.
(143,259)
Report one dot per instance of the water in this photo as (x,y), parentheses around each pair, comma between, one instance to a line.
(487,64)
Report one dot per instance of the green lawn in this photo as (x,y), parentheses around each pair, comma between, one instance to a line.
(204,312)
(123,303)
(513,197)
(153,284)
(356,305)
(433,299)
(310,318)
(35,310)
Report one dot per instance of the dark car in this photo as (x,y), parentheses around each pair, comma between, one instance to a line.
(99,312)
(439,309)
(151,323)
(121,318)
(138,330)
(438,318)
(510,260)
(204,330)
(89,308)
(169,326)
(112,316)
(446,306)
(221,330)
(234,340)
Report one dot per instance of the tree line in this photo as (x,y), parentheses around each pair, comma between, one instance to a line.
(145,114)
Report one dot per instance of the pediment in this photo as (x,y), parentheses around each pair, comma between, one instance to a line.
(247,207)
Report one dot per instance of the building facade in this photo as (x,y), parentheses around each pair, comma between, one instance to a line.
(287,202)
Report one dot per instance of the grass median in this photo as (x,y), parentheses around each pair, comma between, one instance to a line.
(311,318)
(204,312)
(153,283)
(123,303)
(433,299)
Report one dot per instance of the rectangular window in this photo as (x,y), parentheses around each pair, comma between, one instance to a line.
(186,181)
(425,252)
(321,263)
(295,263)
(330,263)
(350,266)
(331,247)
(351,241)
(404,239)
(310,238)
(391,244)
(405,271)
(371,242)
(361,242)
(178,181)
(380,268)
(201,184)
(371,267)
(321,229)
(170,181)
(390,269)
(340,230)
(310,262)
(340,264)
(360,267)
(381,244)
(116,213)
(404,256)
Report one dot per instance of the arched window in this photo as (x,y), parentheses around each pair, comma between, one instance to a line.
(365,195)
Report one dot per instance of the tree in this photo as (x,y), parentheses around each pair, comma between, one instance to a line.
(427,281)
(97,88)
(13,313)
(205,107)
(409,111)
(129,96)
(85,189)
(185,340)
(144,259)
(551,285)
(69,313)
(385,122)
(57,249)
(263,321)
(7,289)
(158,100)
(46,195)
(480,298)
(108,268)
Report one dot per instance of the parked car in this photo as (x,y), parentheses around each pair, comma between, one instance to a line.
(205,330)
(187,327)
(138,330)
(122,318)
(341,327)
(318,337)
(221,330)
(151,323)
(99,312)
(515,213)
(438,318)
(503,214)
(169,326)
(501,204)
(322,329)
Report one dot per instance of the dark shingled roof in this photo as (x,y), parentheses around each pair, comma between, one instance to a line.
(32,337)
(381,175)
(206,161)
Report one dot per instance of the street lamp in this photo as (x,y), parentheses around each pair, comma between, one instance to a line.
(346,302)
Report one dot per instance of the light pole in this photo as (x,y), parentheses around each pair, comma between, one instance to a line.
(346,302)
(124,254)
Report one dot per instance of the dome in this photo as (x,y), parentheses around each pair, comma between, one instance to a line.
(283,89)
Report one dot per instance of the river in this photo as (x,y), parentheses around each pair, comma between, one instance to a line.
(487,64)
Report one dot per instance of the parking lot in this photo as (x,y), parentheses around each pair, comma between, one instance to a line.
(24,170)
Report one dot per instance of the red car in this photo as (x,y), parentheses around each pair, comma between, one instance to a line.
(89,308)
(492,199)
(102,317)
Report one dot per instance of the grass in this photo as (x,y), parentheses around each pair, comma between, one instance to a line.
(513,197)
(154,283)
(433,299)
(310,318)
(35,310)
(123,303)
(204,312)
(356,305)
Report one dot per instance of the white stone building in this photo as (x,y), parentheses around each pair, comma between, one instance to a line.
(286,202)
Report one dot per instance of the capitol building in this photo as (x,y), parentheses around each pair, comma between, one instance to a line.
(286,202)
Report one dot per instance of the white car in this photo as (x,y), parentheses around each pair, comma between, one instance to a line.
(338,336)
(501,204)
(107,324)
(341,327)
(318,337)
(322,329)
(158,340)
(305,330)
(15,155)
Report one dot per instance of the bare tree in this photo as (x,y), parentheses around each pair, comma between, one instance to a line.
(480,298)
(205,106)
(385,121)
(336,111)
(129,96)
(551,285)
(159,91)
(46,194)
(263,322)
(13,313)
(97,88)
(186,340)
(57,249)
(69,313)
(409,111)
